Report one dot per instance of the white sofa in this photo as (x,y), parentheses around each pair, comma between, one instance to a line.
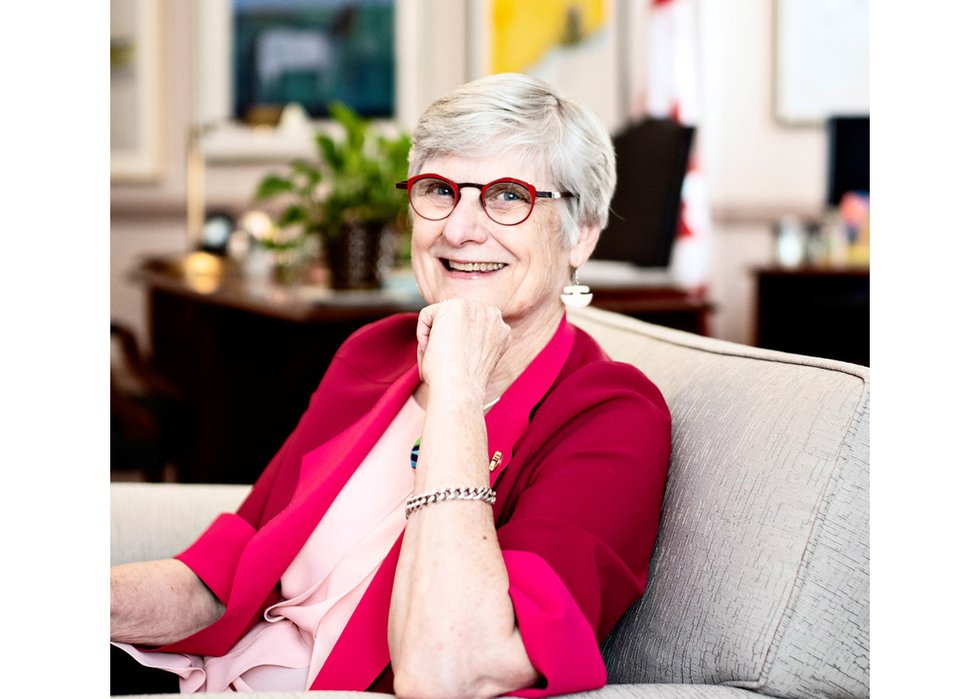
(760,579)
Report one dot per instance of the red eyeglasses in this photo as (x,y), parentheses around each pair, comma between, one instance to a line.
(506,201)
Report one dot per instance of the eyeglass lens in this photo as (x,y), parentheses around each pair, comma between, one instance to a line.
(507,203)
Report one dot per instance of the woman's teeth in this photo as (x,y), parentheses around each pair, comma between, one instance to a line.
(474,266)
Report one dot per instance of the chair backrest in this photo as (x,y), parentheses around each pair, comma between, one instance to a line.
(760,577)
(651,162)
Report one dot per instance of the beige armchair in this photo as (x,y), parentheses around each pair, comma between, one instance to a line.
(759,581)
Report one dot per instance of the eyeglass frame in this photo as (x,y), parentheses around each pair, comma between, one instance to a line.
(457,194)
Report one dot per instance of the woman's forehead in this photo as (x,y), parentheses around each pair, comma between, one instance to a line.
(485,167)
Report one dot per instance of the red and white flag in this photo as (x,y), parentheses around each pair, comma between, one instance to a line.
(673,92)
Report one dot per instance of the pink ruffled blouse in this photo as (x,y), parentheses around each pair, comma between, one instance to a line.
(322,586)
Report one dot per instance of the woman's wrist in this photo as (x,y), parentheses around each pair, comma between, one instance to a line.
(453,446)
(451,468)
(452,455)
(456,396)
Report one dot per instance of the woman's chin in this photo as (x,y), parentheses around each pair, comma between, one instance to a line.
(475,296)
(478,290)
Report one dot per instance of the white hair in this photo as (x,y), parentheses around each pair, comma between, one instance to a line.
(511,112)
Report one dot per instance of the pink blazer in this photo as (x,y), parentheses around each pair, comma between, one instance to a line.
(585,444)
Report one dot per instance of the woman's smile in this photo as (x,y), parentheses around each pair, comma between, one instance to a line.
(460,267)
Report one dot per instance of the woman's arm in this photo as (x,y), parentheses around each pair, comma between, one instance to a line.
(158,602)
(452,629)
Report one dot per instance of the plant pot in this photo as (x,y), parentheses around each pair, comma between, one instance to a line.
(355,254)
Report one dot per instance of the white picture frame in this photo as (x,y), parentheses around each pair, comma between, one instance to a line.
(135,139)
(822,60)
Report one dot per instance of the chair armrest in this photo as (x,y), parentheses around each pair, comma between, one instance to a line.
(158,520)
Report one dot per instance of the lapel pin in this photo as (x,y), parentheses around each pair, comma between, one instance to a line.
(495,461)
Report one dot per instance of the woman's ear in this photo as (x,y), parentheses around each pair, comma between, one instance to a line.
(581,251)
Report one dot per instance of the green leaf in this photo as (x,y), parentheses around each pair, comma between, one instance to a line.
(273,185)
(328,151)
(354,125)
(310,173)
(293,214)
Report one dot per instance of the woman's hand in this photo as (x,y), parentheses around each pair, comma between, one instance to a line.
(460,343)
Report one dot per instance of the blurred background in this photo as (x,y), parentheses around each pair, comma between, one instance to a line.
(742,133)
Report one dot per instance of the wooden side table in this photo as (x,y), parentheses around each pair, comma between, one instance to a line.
(822,311)
(669,306)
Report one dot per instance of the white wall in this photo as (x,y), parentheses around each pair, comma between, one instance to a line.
(756,169)
(149,218)
(752,162)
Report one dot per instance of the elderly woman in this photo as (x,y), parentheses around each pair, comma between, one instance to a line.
(470,502)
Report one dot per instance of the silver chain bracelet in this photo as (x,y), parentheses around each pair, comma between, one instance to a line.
(417,502)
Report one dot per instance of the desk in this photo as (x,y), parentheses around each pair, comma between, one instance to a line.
(247,357)
(822,311)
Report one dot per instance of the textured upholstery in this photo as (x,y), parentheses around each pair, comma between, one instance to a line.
(664,691)
(158,520)
(759,581)
(760,576)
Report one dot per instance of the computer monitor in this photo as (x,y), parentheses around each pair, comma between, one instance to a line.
(651,161)
(849,156)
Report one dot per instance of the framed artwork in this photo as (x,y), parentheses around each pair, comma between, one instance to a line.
(573,44)
(314,53)
(822,60)
(135,137)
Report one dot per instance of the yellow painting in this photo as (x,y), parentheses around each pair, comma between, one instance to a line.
(523,32)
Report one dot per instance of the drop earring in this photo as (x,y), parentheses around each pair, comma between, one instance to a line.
(576,295)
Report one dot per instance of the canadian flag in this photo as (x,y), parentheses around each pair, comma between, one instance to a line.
(673,92)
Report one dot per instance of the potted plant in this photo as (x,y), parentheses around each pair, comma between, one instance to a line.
(347,197)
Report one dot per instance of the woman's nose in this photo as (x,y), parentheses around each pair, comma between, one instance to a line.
(468,221)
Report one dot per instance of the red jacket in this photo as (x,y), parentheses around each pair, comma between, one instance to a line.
(585,444)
